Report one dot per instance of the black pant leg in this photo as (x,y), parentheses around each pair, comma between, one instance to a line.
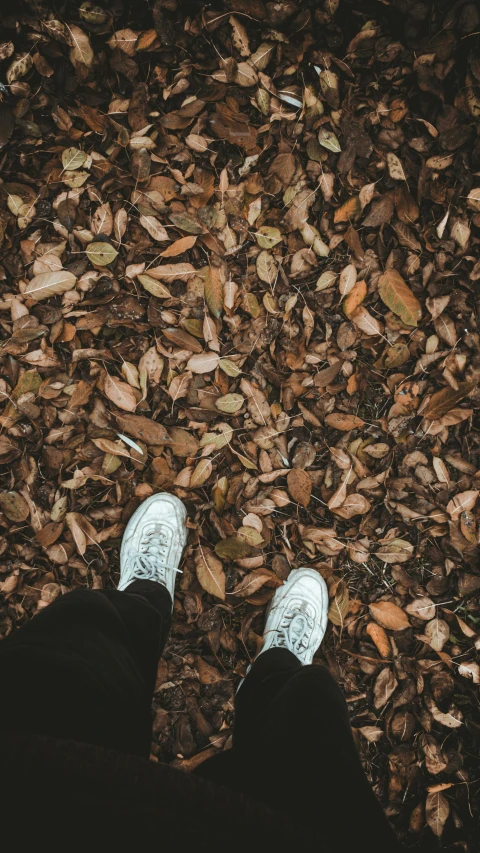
(85,667)
(293,749)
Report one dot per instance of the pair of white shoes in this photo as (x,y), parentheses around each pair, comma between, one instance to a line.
(152,548)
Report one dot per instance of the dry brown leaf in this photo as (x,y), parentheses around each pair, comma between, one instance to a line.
(179,247)
(210,572)
(397,295)
(14,506)
(81,53)
(147,430)
(443,401)
(214,281)
(438,632)
(355,297)
(49,284)
(462,502)
(256,401)
(437,810)
(266,267)
(203,362)
(365,322)
(339,603)
(299,486)
(83,532)
(421,608)
(354,504)
(389,615)
(337,420)
(172,272)
(380,638)
(155,229)
(385,685)
(179,385)
(201,473)
(451,719)
(253,581)
(339,495)
(120,393)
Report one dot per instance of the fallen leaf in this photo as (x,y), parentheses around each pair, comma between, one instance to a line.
(172,272)
(421,608)
(101,254)
(438,632)
(201,473)
(385,685)
(253,581)
(462,502)
(380,638)
(179,247)
(203,362)
(214,290)
(339,603)
(14,506)
(389,615)
(437,810)
(73,158)
(230,403)
(210,572)
(345,423)
(397,296)
(365,322)
(299,486)
(353,504)
(50,284)
(154,228)
(81,52)
(232,548)
(120,393)
(266,268)
(145,429)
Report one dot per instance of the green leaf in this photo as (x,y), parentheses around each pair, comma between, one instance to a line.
(268,237)
(101,254)
(156,288)
(72,159)
(327,279)
(233,548)
(229,367)
(187,223)
(230,403)
(329,140)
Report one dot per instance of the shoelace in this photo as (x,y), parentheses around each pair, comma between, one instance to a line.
(150,561)
(294,630)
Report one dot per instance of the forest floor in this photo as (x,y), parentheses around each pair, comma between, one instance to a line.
(239,262)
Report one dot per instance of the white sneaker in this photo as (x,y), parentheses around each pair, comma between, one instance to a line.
(153,542)
(297,615)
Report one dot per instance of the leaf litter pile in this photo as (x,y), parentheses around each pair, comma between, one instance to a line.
(239,261)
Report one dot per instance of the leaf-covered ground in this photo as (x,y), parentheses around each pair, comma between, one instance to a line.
(239,261)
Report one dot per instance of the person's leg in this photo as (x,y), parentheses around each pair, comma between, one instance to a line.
(85,667)
(293,749)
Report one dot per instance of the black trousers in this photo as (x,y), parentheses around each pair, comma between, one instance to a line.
(85,668)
